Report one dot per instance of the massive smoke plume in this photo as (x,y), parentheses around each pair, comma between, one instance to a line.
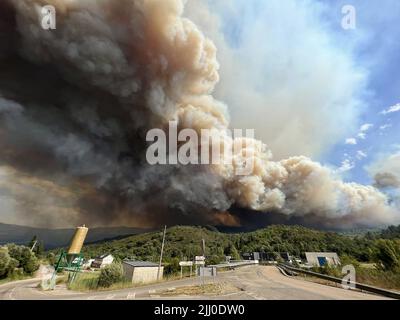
(75,106)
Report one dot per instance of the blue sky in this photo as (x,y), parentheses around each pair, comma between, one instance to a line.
(376,45)
(350,143)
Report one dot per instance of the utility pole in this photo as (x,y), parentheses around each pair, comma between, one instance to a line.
(162,250)
(34,244)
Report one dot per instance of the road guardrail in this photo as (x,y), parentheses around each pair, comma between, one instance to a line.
(237,263)
(360,286)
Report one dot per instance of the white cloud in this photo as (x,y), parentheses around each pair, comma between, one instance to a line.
(352,141)
(362,135)
(392,109)
(365,127)
(361,155)
(347,165)
(385,126)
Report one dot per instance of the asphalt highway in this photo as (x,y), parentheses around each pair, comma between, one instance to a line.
(245,283)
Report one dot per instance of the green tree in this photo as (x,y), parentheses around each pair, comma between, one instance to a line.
(26,258)
(39,250)
(36,246)
(233,252)
(4,262)
(215,259)
(12,265)
(110,275)
(33,242)
(388,253)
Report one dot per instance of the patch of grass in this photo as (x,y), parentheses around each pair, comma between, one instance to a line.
(379,278)
(88,281)
(85,281)
(368,275)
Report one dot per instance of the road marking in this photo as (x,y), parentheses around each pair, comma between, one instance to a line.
(253,295)
(152,291)
(230,294)
(10,294)
(110,297)
(131,296)
(91,298)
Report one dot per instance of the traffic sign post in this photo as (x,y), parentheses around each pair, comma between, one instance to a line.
(186,264)
(199,261)
(207,272)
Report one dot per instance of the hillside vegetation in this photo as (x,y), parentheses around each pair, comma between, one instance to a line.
(375,255)
(17,262)
(185,242)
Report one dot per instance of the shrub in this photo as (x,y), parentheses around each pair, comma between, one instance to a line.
(110,275)
(31,264)
(4,261)
(215,259)
(12,265)
(388,254)
(172,266)
(27,259)
(51,258)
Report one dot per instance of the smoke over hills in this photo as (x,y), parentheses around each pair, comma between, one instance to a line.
(75,106)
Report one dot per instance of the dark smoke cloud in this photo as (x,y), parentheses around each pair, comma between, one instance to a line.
(82,126)
(75,106)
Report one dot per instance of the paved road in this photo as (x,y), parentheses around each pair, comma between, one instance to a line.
(252,282)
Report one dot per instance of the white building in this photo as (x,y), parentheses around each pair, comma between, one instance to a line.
(141,271)
(88,264)
(321,259)
(102,261)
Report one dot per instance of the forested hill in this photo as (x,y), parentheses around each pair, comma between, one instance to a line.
(186,242)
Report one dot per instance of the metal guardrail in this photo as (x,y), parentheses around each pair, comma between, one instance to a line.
(360,286)
(236,263)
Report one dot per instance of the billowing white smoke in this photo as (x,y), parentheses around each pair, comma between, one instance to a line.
(386,174)
(386,171)
(285,72)
(161,67)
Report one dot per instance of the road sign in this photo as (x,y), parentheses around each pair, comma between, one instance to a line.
(207,271)
(200,258)
(186,263)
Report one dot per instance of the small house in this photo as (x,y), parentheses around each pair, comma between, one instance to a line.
(321,259)
(102,261)
(88,264)
(142,271)
(251,256)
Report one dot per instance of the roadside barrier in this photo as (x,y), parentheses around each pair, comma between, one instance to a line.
(363,287)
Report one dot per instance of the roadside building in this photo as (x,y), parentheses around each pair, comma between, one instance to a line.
(102,261)
(141,271)
(267,256)
(251,256)
(321,259)
(88,264)
(286,257)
